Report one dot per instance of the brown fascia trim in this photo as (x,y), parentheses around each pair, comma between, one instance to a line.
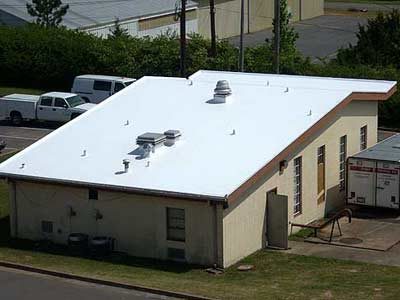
(115,188)
(304,137)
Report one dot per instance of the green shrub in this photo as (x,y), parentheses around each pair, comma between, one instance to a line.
(49,58)
(378,43)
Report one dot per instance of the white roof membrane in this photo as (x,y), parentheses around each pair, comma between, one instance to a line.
(222,145)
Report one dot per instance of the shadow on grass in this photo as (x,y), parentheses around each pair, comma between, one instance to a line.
(117,258)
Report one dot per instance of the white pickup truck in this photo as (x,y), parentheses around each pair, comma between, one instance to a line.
(54,106)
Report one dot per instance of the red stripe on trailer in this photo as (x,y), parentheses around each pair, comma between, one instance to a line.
(362,169)
(386,171)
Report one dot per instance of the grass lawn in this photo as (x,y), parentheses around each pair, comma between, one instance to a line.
(276,275)
(4,90)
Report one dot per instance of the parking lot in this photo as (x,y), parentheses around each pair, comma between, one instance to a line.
(21,137)
(319,37)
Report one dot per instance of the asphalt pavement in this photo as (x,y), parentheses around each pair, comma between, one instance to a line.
(21,137)
(20,285)
(346,6)
(320,37)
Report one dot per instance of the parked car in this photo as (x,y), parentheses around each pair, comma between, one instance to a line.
(3,145)
(54,106)
(96,88)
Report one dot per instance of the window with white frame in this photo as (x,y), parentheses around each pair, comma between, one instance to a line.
(297,186)
(342,162)
(363,137)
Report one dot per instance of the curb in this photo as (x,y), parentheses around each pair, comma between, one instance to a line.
(101,281)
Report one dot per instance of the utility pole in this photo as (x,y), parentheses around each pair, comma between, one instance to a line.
(248,16)
(212,25)
(183,38)
(277,37)
(241,52)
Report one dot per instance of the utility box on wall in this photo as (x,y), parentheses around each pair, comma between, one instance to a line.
(373,175)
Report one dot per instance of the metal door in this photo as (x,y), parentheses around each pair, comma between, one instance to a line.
(361,182)
(387,185)
(45,108)
(277,221)
(61,112)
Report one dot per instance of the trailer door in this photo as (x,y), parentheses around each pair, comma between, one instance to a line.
(387,184)
(361,182)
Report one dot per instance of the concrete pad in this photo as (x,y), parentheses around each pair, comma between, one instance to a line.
(361,233)
(387,258)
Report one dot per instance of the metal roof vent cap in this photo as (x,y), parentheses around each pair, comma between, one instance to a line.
(222,91)
(126,162)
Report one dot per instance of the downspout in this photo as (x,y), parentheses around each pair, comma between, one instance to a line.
(216,251)
(218,208)
(13,209)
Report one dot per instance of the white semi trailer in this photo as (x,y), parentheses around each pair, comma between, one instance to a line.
(373,175)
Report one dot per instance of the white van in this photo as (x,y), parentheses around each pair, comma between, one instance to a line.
(96,88)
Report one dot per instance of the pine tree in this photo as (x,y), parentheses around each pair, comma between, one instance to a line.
(117,31)
(288,35)
(48,13)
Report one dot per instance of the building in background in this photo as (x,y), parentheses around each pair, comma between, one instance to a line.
(139,17)
(258,15)
(154,17)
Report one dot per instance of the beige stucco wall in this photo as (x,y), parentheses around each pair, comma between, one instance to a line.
(227,15)
(244,222)
(138,223)
(311,8)
(166,20)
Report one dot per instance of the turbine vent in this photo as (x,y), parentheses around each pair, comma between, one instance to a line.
(222,91)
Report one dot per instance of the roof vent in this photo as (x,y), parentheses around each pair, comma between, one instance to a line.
(151,138)
(172,134)
(126,162)
(172,137)
(222,91)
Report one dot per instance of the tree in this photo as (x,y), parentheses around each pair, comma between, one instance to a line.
(378,43)
(48,13)
(117,31)
(288,36)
